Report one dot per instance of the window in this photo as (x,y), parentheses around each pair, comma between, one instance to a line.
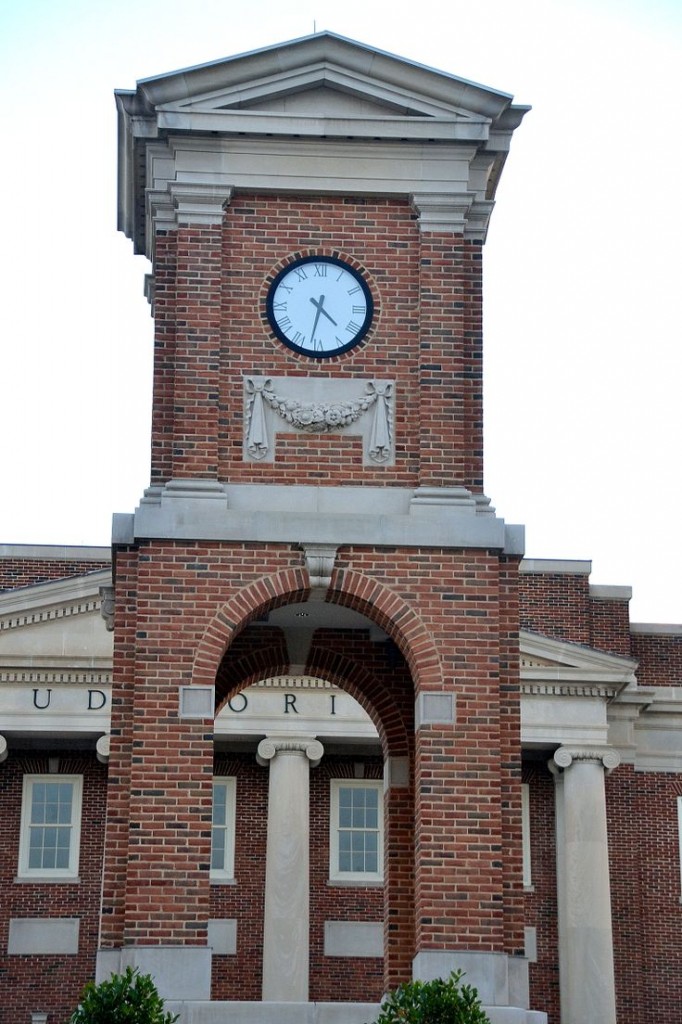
(50,826)
(356,831)
(525,834)
(223,829)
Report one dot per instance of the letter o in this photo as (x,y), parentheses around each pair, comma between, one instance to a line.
(244,706)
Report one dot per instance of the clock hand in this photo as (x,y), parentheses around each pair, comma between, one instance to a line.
(319,306)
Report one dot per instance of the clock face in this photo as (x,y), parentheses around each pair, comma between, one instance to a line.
(319,306)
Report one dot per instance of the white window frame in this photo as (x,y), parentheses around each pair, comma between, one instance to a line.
(355,877)
(71,871)
(228,785)
(525,835)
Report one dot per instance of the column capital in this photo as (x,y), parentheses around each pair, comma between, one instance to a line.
(273,745)
(564,757)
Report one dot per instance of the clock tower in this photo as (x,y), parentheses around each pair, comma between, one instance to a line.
(315,524)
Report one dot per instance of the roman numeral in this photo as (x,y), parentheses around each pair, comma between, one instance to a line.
(320,270)
(298,338)
(280,307)
(360,309)
(352,327)
(284,323)
(301,274)
(286,287)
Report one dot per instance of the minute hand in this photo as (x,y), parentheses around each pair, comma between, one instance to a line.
(319,306)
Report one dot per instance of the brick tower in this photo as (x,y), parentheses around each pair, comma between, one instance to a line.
(315,528)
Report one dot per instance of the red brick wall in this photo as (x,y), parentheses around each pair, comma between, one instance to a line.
(240,976)
(25,572)
(659,657)
(540,902)
(645,892)
(339,978)
(556,604)
(559,605)
(644,864)
(610,626)
(332,978)
(54,983)
(211,285)
(173,598)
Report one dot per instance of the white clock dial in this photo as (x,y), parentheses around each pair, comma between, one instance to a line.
(319,306)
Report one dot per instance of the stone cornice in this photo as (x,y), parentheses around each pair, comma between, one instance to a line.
(31,618)
(551,662)
(40,602)
(197,509)
(358,114)
(91,676)
(565,689)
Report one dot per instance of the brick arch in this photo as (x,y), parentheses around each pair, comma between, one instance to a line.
(248,670)
(348,588)
(290,586)
(371,694)
(396,617)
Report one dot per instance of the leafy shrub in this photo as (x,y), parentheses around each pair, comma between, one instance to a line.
(129,998)
(433,1002)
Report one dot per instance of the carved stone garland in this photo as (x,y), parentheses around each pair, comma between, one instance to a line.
(319,416)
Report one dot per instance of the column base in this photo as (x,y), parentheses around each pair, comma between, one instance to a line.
(501,981)
(179,972)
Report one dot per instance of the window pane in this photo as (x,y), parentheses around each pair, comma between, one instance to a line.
(372,804)
(222,831)
(38,804)
(218,850)
(356,831)
(35,853)
(219,804)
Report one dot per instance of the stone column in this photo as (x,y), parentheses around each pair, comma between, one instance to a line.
(588,993)
(287,881)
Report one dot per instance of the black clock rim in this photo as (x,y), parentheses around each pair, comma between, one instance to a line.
(334,261)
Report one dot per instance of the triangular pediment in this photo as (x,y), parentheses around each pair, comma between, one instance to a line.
(323,75)
(55,623)
(547,661)
(319,90)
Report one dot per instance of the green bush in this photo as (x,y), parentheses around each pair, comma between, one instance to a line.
(433,1002)
(129,998)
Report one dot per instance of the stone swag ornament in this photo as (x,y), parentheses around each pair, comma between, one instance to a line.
(319,417)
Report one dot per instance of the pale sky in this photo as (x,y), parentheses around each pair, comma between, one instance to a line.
(582,301)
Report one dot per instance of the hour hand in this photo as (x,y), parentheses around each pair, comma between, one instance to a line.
(319,306)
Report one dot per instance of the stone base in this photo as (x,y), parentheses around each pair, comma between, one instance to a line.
(501,981)
(273,1013)
(315,1013)
(179,972)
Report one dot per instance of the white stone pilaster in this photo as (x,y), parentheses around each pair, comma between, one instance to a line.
(584,896)
(287,914)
